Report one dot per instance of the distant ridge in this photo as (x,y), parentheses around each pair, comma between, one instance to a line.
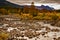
(44,7)
(6,3)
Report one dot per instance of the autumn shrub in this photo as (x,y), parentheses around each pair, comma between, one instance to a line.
(26,16)
(54,17)
(38,17)
(4,36)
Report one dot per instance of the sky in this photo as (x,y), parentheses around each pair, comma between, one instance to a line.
(52,3)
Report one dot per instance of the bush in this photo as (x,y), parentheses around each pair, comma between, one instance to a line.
(4,36)
(54,17)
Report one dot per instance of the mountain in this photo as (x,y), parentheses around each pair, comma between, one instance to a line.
(44,7)
(9,4)
(4,3)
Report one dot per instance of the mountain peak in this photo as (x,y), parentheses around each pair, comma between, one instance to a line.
(45,7)
(6,3)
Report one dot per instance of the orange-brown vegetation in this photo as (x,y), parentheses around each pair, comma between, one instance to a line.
(31,13)
(4,36)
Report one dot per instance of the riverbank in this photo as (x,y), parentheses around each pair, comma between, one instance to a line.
(19,29)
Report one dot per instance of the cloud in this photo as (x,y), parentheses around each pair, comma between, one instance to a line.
(47,1)
(38,1)
(52,3)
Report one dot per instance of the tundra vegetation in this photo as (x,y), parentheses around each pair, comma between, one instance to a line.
(29,16)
